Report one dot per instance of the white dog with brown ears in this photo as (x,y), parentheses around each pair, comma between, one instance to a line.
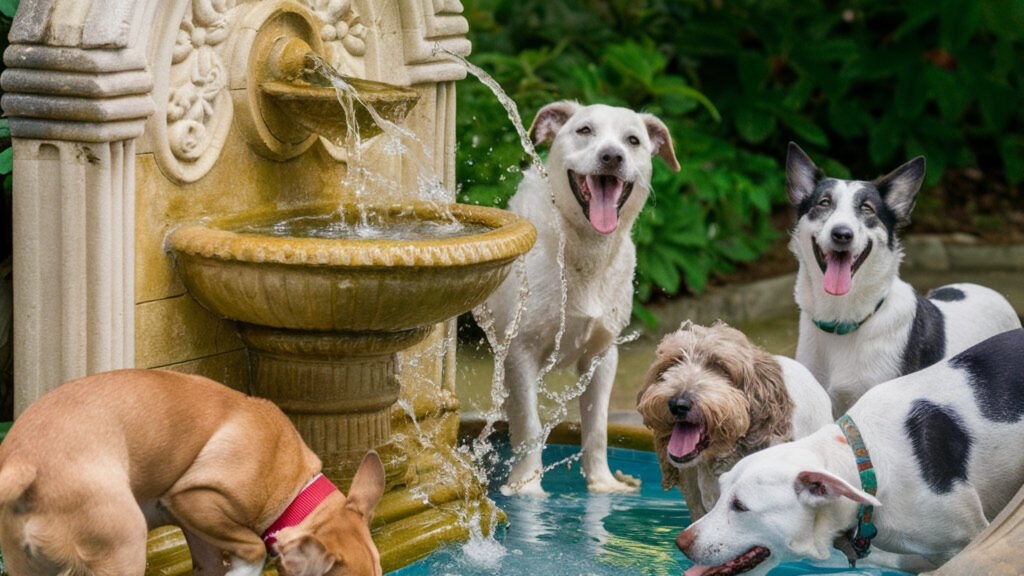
(712,397)
(600,174)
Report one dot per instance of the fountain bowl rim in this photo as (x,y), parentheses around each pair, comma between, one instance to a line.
(510,236)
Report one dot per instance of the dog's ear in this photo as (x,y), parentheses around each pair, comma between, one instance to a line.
(899,188)
(367,487)
(661,140)
(771,418)
(550,119)
(302,555)
(801,174)
(817,487)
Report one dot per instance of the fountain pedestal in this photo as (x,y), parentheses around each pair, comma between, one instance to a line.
(338,388)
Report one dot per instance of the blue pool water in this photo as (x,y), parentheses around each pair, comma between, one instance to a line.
(574,533)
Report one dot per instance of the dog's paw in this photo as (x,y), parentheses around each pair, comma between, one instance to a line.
(620,483)
(532,488)
(627,479)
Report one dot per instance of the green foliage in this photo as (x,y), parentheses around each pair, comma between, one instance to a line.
(869,82)
(8,8)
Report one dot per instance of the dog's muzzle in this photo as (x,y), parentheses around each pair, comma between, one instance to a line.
(601,196)
(742,563)
(689,436)
(838,266)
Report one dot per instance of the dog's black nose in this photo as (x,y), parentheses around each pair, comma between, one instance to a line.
(679,406)
(611,157)
(842,235)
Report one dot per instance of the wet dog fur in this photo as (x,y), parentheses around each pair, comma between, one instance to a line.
(713,382)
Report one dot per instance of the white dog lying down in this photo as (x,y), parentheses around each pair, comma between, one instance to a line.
(600,172)
(943,446)
(712,397)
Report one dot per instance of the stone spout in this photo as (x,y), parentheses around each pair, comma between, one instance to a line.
(301,98)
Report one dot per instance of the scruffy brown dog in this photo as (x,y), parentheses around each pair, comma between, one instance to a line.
(712,397)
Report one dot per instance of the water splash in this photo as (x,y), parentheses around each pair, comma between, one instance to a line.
(368,185)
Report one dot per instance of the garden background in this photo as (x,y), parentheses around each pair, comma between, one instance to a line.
(862,86)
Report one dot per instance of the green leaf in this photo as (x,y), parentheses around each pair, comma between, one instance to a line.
(754,125)
(661,270)
(648,318)
(909,99)
(951,94)
(804,129)
(5,128)
(848,119)
(676,88)
(957,22)
(9,7)
(735,250)
(835,169)
(6,160)
(997,102)
(753,70)
(1011,148)
(695,270)
(884,139)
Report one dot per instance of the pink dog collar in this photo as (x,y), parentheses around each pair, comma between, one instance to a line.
(318,489)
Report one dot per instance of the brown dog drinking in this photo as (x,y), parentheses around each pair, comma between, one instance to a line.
(91,466)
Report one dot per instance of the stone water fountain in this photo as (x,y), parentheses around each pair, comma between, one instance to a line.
(149,132)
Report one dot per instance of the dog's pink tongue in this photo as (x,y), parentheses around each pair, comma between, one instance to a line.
(838,273)
(684,439)
(604,202)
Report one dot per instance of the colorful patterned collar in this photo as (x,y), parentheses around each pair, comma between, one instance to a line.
(860,541)
(841,328)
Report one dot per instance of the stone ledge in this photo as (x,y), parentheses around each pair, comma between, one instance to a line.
(773,297)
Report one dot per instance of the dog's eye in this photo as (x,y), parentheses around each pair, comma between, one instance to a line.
(633,140)
(867,208)
(825,202)
(739,506)
(584,130)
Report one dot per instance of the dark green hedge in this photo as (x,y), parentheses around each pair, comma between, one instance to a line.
(862,86)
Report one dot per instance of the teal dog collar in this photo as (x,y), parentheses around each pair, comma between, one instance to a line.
(841,328)
(860,540)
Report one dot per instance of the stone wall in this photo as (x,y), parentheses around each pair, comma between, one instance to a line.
(131,116)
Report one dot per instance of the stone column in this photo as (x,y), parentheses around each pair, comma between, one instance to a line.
(74,114)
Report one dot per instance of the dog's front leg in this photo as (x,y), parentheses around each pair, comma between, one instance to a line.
(525,431)
(207,559)
(594,427)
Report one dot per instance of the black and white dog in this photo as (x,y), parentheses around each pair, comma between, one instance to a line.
(860,324)
(944,446)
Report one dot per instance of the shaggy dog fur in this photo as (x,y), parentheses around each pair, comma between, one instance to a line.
(741,398)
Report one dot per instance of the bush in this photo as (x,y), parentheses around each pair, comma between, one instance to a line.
(872,83)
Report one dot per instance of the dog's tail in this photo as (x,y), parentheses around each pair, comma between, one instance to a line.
(15,478)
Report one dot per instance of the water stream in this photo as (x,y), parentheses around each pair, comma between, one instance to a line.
(480,456)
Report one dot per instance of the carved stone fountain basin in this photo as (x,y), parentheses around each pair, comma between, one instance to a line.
(324,318)
(347,284)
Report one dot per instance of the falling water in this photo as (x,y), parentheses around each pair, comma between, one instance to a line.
(524,139)
(360,177)
(480,456)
